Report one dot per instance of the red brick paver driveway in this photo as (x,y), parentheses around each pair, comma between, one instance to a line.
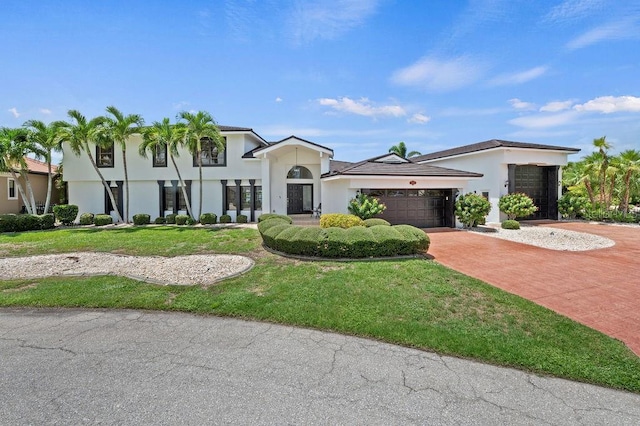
(599,288)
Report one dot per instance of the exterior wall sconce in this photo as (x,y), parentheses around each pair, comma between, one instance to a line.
(506,183)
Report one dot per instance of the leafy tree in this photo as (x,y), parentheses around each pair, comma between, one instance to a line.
(15,146)
(164,134)
(118,128)
(46,136)
(365,207)
(629,162)
(401,150)
(516,205)
(79,134)
(472,209)
(200,127)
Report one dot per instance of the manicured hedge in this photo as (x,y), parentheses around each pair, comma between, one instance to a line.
(26,222)
(171,218)
(141,219)
(225,218)
(208,218)
(339,220)
(242,219)
(102,220)
(182,219)
(355,242)
(375,221)
(510,224)
(66,213)
(267,216)
(86,219)
(160,220)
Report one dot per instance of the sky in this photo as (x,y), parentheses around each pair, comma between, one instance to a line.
(357,76)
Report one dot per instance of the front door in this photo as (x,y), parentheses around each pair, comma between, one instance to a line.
(299,198)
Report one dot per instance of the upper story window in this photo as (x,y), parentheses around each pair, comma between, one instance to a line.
(11,189)
(299,172)
(104,156)
(160,157)
(210,156)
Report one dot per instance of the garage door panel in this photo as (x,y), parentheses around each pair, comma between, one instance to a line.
(417,207)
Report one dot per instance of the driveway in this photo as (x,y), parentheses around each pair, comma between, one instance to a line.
(599,288)
(133,367)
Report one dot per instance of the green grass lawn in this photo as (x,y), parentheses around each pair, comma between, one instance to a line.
(415,302)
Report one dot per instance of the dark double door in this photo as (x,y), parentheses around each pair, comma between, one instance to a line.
(541,184)
(299,198)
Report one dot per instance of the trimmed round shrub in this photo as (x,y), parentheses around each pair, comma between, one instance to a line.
(181,219)
(160,220)
(191,221)
(47,221)
(171,218)
(360,242)
(472,209)
(340,220)
(267,216)
(225,218)
(8,223)
(102,220)
(266,224)
(241,219)
(208,218)
(306,241)
(27,222)
(86,219)
(417,237)
(510,224)
(375,221)
(516,205)
(66,213)
(141,219)
(390,241)
(270,234)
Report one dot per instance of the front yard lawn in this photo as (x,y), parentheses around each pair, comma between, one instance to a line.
(416,302)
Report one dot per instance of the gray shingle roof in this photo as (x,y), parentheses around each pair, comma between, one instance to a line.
(482,146)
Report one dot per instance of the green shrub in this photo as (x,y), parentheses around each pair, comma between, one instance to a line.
(472,209)
(66,213)
(181,219)
(390,241)
(375,221)
(225,218)
(417,237)
(160,220)
(571,205)
(360,242)
(47,221)
(171,218)
(270,234)
(333,242)
(191,221)
(8,223)
(365,206)
(27,222)
(516,205)
(208,218)
(266,224)
(510,224)
(141,219)
(241,219)
(305,242)
(267,216)
(102,220)
(86,219)
(339,220)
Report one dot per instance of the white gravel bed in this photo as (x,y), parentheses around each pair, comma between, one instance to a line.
(549,238)
(181,270)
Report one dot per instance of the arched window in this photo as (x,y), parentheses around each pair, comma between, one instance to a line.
(299,172)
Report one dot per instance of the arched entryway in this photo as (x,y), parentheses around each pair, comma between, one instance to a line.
(299,190)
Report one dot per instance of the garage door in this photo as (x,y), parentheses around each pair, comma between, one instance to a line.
(423,208)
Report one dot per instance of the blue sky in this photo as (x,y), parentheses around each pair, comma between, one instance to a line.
(357,76)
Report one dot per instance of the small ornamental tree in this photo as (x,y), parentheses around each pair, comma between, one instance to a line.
(471,209)
(572,205)
(516,205)
(365,206)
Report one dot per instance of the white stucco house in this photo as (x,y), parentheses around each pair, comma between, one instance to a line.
(296,176)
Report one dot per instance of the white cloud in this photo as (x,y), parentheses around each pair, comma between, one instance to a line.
(440,74)
(278,99)
(574,9)
(181,105)
(419,118)
(14,112)
(363,106)
(521,105)
(556,106)
(328,19)
(618,30)
(544,121)
(610,104)
(518,77)
(45,111)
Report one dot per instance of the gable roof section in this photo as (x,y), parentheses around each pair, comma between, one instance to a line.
(375,168)
(486,145)
(232,129)
(285,142)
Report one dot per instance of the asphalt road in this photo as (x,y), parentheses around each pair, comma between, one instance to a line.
(131,367)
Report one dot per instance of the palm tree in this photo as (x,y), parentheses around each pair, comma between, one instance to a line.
(118,128)
(201,127)
(46,137)
(79,135)
(602,146)
(15,146)
(629,161)
(580,175)
(401,150)
(164,134)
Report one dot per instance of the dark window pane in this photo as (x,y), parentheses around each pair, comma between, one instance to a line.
(231,198)
(104,156)
(245,198)
(210,156)
(168,198)
(258,197)
(160,157)
(299,172)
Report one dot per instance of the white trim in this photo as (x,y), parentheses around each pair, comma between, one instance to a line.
(497,148)
(15,189)
(394,177)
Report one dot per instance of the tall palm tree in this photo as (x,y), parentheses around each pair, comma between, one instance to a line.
(401,150)
(163,134)
(46,137)
(118,128)
(580,175)
(603,146)
(629,161)
(79,134)
(15,147)
(201,127)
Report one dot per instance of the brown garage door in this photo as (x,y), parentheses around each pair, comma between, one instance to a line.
(424,208)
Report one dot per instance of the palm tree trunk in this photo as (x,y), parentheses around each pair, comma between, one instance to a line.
(126,185)
(25,176)
(49,184)
(200,183)
(587,184)
(627,188)
(611,190)
(27,204)
(104,183)
(184,190)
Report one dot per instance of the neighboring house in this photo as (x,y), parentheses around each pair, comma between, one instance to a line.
(296,176)
(10,198)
